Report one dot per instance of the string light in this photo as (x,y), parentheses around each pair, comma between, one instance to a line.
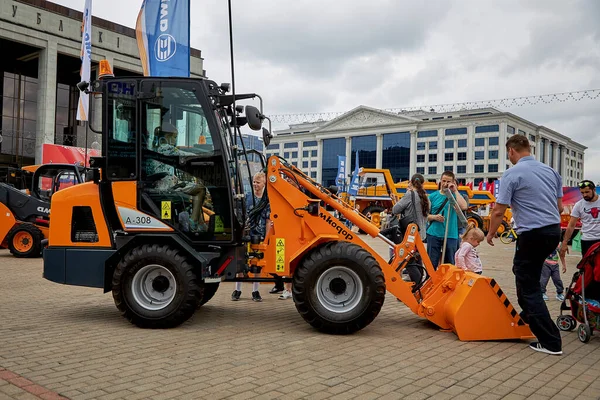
(590,94)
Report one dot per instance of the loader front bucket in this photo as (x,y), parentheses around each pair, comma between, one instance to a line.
(473,306)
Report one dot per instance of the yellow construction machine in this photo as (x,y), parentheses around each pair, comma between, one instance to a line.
(137,241)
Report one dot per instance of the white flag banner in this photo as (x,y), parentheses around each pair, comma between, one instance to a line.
(86,60)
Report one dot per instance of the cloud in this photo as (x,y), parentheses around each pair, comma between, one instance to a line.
(313,56)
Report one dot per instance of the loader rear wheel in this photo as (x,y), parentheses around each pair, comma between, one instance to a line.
(209,291)
(339,288)
(154,286)
(25,241)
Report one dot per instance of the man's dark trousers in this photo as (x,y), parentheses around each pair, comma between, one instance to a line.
(532,249)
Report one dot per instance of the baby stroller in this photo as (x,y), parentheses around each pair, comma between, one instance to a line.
(583,296)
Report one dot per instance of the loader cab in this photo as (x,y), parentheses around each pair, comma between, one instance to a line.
(166,150)
(50,178)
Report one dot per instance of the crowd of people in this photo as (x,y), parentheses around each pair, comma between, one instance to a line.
(534,192)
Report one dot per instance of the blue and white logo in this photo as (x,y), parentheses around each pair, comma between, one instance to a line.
(165,47)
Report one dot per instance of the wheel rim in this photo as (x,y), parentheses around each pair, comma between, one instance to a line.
(582,333)
(23,241)
(473,222)
(153,287)
(564,323)
(339,289)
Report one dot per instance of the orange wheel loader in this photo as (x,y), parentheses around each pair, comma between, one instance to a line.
(136,223)
(24,216)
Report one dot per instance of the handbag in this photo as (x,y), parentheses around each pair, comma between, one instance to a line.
(408,219)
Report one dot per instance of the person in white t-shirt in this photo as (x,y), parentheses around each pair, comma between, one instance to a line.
(588,211)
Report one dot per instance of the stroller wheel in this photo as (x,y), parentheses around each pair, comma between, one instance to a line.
(566,323)
(584,333)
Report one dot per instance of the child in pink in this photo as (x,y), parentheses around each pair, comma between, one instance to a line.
(466,257)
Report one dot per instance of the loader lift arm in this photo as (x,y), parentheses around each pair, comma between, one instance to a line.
(472,306)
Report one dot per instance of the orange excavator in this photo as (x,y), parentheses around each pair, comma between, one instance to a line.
(132,224)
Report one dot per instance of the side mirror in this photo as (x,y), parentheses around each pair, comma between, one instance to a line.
(254,118)
(267,136)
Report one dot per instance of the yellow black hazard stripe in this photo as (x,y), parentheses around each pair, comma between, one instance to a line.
(506,302)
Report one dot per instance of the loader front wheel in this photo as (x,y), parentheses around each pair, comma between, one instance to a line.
(25,241)
(154,286)
(339,288)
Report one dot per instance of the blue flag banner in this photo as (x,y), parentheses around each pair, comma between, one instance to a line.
(163,36)
(353,190)
(341,174)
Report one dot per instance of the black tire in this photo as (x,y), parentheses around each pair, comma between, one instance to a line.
(140,303)
(372,210)
(209,291)
(352,312)
(25,241)
(584,333)
(474,218)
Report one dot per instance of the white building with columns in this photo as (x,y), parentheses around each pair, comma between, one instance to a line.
(470,143)
(41,46)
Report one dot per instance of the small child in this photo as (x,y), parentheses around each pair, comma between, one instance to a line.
(466,257)
(550,269)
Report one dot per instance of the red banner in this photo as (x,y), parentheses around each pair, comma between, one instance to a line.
(58,154)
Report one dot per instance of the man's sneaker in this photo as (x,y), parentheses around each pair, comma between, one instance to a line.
(275,290)
(560,297)
(545,297)
(256,296)
(235,296)
(538,347)
(285,295)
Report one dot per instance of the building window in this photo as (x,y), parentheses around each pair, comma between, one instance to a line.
(449,168)
(421,146)
(305,154)
(294,154)
(396,155)
(462,143)
(449,157)
(432,145)
(480,155)
(461,156)
(273,147)
(478,169)
(424,134)
(477,181)
(286,154)
(461,169)
(479,142)
(304,164)
(290,145)
(510,129)
(310,143)
(313,153)
(532,138)
(367,151)
(313,164)
(456,131)
(313,174)
(432,170)
(492,167)
(493,141)
(332,148)
(449,144)
(421,170)
(420,157)
(522,133)
(432,157)
(487,128)
(493,154)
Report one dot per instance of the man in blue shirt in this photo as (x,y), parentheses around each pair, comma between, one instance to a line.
(534,192)
(438,218)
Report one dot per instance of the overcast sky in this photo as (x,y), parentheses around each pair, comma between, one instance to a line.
(308,56)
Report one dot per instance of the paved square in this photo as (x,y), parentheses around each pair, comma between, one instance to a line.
(72,341)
